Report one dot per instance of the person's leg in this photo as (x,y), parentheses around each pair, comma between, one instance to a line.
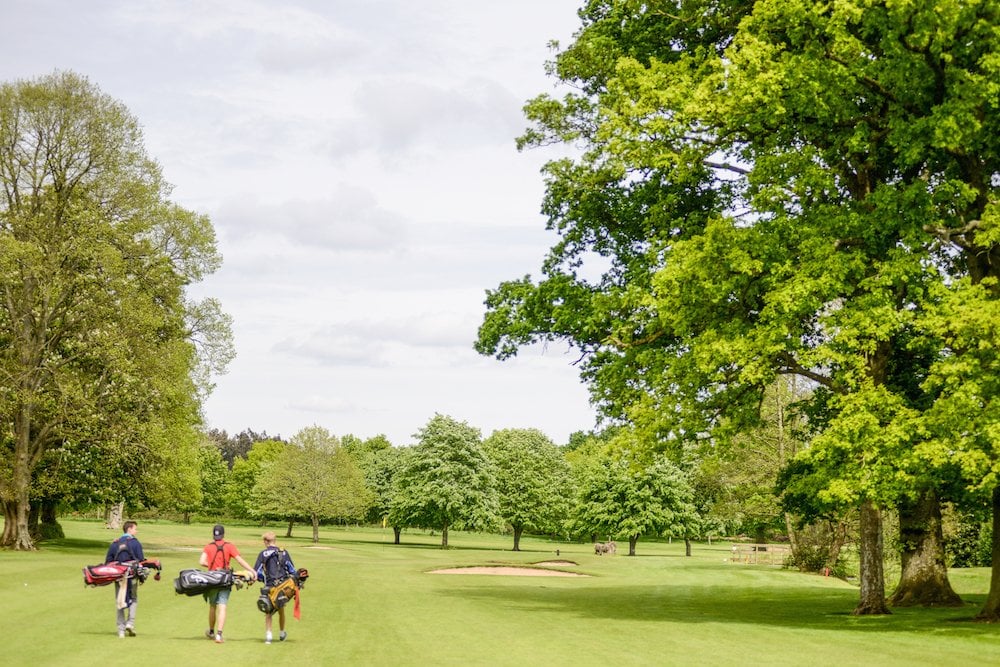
(221,600)
(119,611)
(281,619)
(130,622)
(211,620)
(220,619)
(132,607)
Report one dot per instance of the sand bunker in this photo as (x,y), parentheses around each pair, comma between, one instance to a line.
(562,563)
(504,570)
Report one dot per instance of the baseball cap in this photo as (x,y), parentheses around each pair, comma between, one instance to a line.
(218,531)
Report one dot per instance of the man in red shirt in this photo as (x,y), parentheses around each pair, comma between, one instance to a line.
(216,556)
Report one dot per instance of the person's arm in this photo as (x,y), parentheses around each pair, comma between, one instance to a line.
(110,556)
(289,565)
(203,559)
(258,566)
(246,566)
(137,550)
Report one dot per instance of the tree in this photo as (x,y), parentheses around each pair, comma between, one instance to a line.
(446,481)
(238,492)
(618,500)
(778,189)
(97,339)
(532,480)
(214,476)
(379,461)
(238,445)
(313,477)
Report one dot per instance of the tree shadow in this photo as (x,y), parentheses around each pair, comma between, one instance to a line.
(69,544)
(794,607)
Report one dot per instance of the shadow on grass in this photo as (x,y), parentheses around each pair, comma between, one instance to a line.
(71,544)
(788,608)
(414,545)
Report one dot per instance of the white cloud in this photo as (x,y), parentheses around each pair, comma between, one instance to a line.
(358,162)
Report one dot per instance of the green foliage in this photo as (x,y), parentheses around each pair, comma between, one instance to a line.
(242,479)
(532,479)
(214,475)
(619,500)
(968,540)
(379,462)
(778,188)
(445,481)
(314,478)
(99,347)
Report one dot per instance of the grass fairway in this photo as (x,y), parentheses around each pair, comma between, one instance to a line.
(369,602)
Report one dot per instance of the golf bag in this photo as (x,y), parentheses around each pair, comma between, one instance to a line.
(196,582)
(273,598)
(104,574)
(108,573)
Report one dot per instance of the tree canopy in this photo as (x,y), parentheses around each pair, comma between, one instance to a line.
(445,481)
(778,188)
(619,499)
(313,477)
(98,341)
(532,480)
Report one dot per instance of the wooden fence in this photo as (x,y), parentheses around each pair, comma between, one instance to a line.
(760,554)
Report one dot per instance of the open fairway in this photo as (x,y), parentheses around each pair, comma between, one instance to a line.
(370,602)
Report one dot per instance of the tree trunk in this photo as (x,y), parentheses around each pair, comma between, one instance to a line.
(793,537)
(632,540)
(115,514)
(991,609)
(924,577)
(836,544)
(444,536)
(396,530)
(288,533)
(21,477)
(49,527)
(9,520)
(315,524)
(518,530)
(687,546)
(33,518)
(872,600)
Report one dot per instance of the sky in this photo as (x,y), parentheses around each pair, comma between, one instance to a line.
(357,159)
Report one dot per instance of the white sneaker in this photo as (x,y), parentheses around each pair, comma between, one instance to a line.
(267,638)
(282,636)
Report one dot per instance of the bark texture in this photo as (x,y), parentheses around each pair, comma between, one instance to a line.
(872,599)
(991,609)
(923,580)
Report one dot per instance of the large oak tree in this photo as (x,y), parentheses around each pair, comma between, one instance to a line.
(779,188)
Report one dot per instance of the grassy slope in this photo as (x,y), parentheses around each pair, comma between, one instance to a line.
(370,602)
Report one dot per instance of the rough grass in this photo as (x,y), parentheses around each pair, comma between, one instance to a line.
(369,602)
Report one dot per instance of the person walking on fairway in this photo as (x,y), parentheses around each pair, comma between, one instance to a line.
(216,556)
(273,566)
(125,549)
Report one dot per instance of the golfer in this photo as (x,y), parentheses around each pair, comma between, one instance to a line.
(126,549)
(274,565)
(216,556)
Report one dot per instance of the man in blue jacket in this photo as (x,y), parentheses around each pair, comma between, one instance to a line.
(273,566)
(126,549)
